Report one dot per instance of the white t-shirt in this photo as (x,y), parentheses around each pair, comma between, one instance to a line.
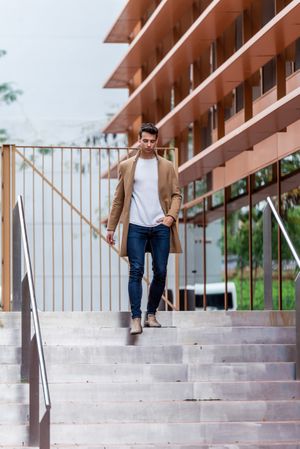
(145,208)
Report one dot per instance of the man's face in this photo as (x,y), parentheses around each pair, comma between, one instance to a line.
(148,142)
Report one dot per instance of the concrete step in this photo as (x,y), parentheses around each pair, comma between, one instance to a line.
(9,373)
(128,373)
(13,435)
(173,411)
(270,445)
(113,354)
(241,371)
(161,336)
(180,433)
(14,413)
(239,353)
(162,354)
(178,319)
(164,372)
(172,391)
(168,336)
(10,354)
(14,392)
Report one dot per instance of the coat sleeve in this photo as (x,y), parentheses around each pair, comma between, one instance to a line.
(176,196)
(117,204)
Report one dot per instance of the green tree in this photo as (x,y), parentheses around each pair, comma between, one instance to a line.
(8,94)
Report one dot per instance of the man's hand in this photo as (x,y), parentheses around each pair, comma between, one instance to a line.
(167,221)
(110,237)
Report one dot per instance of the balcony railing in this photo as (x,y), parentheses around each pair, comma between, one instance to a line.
(67,196)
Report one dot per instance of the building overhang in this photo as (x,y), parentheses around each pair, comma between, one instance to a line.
(159,24)
(125,23)
(271,40)
(271,120)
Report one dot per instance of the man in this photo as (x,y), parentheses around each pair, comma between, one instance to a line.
(149,197)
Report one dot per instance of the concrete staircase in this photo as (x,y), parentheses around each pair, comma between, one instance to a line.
(222,380)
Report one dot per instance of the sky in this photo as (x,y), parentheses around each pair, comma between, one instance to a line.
(56,56)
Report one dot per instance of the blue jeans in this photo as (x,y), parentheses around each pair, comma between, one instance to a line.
(140,238)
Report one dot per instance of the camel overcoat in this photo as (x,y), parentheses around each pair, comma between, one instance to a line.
(169,196)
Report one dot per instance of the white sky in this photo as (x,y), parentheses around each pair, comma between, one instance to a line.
(56,56)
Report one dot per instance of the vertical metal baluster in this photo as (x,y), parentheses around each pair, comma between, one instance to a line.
(33,216)
(24,188)
(129,306)
(109,250)
(119,248)
(148,273)
(13,175)
(128,266)
(297,313)
(72,230)
(176,255)
(166,294)
(204,255)
(6,226)
(225,249)
(43,230)
(52,214)
(81,244)
(279,240)
(250,240)
(100,230)
(267,256)
(62,230)
(24,180)
(185,259)
(91,231)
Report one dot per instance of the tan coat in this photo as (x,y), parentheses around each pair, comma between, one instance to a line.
(169,195)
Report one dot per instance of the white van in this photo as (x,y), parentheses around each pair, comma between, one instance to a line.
(215,292)
(215,296)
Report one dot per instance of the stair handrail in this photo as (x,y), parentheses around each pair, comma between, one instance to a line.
(297,282)
(284,231)
(33,360)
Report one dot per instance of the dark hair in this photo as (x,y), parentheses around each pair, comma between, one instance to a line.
(148,128)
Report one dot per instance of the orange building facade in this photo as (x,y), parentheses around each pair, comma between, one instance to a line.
(221,80)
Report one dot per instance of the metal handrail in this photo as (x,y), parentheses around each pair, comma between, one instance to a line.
(297,281)
(284,231)
(36,322)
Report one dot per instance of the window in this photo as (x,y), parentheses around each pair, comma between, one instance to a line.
(269,75)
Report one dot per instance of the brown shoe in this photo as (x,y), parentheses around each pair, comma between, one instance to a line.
(151,321)
(136,326)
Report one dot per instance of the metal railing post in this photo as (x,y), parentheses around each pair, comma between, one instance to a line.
(32,350)
(34,393)
(6,210)
(45,431)
(297,306)
(267,257)
(17,264)
(26,330)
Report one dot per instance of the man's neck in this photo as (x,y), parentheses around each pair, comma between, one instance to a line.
(144,155)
